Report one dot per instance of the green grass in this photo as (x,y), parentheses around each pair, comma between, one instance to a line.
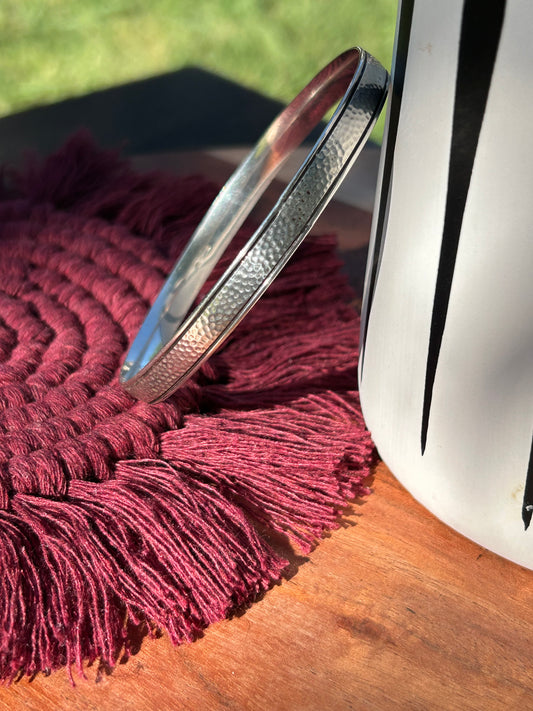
(53,49)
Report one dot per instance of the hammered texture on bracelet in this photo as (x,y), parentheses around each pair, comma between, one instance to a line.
(161,359)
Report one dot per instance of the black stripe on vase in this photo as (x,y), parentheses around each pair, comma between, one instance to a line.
(480,36)
(402,48)
(527,504)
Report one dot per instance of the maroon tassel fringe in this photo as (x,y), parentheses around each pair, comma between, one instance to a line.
(115,514)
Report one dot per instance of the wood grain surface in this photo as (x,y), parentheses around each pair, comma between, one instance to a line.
(393,611)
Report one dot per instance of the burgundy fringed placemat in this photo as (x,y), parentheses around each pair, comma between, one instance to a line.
(115,514)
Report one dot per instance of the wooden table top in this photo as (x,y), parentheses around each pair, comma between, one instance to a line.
(393,611)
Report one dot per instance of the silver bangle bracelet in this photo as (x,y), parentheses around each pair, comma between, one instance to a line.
(170,345)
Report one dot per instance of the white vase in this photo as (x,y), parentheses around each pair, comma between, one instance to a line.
(446,369)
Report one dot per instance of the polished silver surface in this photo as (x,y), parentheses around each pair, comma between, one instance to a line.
(168,349)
